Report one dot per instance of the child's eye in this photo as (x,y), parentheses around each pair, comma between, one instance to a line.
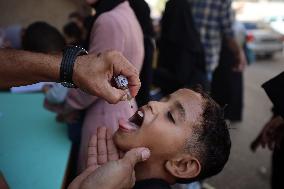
(170,117)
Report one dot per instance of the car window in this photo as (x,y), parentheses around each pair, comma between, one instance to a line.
(250,26)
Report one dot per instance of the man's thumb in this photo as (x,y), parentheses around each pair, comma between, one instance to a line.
(136,155)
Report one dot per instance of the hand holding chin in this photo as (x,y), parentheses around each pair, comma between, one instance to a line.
(103,163)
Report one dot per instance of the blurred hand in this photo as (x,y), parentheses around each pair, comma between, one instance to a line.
(271,135)
(241,62)
(57,108)
(93,74)
(46,88)
(66,115)
(103,164)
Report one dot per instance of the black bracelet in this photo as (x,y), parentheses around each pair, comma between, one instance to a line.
(70,54)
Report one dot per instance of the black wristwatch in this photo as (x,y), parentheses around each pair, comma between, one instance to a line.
(70,54)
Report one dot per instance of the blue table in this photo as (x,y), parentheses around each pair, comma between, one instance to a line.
(34,148)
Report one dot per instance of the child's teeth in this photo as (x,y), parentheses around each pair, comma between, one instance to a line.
(140,114)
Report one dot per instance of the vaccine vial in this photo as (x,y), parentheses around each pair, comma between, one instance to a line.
(122,83)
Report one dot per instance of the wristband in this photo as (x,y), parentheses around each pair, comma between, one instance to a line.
(70,54)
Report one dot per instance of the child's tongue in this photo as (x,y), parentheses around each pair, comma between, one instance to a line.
(127,125)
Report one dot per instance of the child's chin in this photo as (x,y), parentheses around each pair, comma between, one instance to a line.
(127,141)
(120,143)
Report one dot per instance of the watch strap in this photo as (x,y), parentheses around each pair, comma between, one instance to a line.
(70,54)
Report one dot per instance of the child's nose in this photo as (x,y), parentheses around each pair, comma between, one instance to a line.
(155,106)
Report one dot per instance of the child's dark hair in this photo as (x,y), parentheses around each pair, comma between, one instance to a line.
(42,37)
(211,141)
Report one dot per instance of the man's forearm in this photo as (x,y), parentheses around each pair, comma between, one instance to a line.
(90,72)
(22,67)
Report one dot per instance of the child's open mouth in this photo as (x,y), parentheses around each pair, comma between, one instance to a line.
(133,123)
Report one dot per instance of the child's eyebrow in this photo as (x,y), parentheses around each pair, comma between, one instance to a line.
(181,110)
(178,105)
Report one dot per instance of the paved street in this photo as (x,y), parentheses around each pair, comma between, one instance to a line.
(247,170)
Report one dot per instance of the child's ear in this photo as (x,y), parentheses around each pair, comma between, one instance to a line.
(184,167)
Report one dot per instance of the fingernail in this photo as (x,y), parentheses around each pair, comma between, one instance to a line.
(145,154)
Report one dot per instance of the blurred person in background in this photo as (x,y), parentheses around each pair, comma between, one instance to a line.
(272,135)
(181,60)
(214,20)
(73,34)
(42,37)
(78,19)
(227,84)
(192,32)
(115,27)
(76,30)
(84,22)
(143,13)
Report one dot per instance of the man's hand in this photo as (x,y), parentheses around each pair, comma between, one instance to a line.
(271,135)
(103,164)
(93,74)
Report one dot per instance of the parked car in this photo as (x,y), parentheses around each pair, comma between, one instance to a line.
(262,40)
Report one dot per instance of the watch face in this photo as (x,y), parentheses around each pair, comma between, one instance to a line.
(68,85)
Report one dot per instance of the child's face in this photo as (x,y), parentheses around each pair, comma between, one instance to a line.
(166,125)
